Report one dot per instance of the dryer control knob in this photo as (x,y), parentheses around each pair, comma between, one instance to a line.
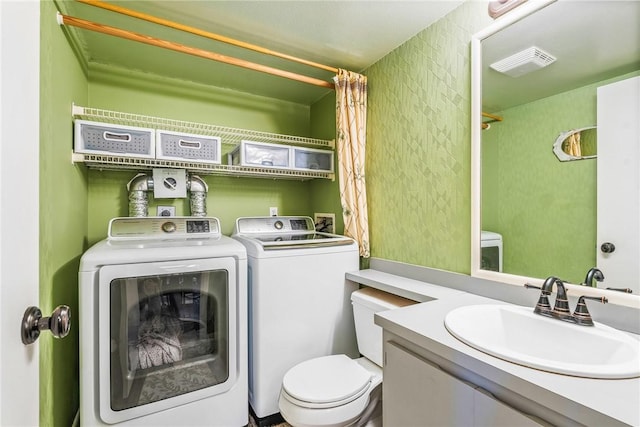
(169,227)
(278,225)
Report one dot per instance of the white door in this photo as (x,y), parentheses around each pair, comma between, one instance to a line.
(619,183)
(19,141)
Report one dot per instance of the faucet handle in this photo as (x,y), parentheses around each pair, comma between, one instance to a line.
(625,290)
(542,307)
(581,314)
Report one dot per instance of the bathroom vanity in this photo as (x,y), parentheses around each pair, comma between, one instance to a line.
(441,398)
(432,378)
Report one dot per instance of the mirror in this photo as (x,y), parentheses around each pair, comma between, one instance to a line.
(576,144)
(543,210)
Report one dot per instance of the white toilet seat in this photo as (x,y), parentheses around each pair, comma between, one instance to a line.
(347,382)
(326,382)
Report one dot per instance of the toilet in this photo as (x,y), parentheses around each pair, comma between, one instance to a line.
(336,391)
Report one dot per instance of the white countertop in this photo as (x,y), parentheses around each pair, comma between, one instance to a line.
(588,401)
(408,288)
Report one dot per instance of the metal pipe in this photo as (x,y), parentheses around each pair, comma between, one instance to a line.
(197,195)
(138,189)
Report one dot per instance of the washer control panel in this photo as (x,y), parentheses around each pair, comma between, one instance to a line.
(163,227)
(274,224)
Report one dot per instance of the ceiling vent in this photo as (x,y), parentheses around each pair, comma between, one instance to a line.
(524,62)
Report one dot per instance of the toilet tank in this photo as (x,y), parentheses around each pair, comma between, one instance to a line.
(366,302)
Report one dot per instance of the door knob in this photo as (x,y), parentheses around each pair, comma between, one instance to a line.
(607,247)
(33,323)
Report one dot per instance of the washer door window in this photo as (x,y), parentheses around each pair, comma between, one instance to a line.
(168,336)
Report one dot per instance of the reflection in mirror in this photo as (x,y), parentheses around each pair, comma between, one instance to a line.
(576,144)
(545,210)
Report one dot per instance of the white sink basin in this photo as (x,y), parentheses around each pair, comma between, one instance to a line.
(516,334)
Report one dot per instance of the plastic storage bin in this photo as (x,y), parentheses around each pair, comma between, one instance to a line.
(184,146)
(312,159)
(102,138)
(250,153)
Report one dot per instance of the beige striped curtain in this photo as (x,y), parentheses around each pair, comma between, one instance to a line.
(351,123)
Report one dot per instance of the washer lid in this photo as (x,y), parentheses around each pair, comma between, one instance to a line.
(326,379)
(490,235)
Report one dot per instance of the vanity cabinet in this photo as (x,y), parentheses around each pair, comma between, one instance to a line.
(417,392)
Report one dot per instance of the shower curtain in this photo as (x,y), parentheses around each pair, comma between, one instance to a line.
(573,145)
(351,123)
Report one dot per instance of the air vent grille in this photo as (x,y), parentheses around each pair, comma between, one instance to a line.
(524,62)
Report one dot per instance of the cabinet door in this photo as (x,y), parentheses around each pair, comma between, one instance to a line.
(490,412)
(418,393)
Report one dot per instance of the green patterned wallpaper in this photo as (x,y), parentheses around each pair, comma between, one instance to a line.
(418,145)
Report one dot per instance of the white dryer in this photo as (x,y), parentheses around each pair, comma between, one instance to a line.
(299,301)
(163,330)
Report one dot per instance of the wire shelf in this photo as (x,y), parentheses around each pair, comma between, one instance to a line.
(230,136)
(104,162)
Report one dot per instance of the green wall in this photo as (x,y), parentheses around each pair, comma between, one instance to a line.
(545,209)
(229,197)
(326,193)
(63,218)
(76,203)
(418,161)
(418,145)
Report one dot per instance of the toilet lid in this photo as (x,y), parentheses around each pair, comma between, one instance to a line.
(326,379)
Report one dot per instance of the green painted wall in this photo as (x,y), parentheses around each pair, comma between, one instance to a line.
(326,193)
(229,197)
(545,209)
(77,203)
(418,162)
(63,218)
(418,145)
(418,157)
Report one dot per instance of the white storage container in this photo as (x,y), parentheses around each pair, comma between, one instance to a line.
(250,153)
(117,140)
(312,159)
(190,147)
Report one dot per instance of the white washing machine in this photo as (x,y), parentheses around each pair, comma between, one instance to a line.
(163,329)
(299,301)
(491,251)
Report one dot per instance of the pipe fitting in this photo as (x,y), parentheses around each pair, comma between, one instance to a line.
(197,195)
(138,189)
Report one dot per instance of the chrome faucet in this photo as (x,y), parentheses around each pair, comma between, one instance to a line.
(561,310)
